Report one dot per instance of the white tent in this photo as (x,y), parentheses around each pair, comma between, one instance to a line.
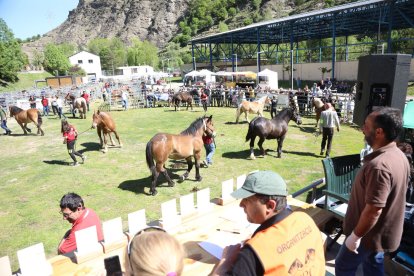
(193,73)
(268,78)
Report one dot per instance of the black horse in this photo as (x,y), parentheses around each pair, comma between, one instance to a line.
(182,97)
(275,128)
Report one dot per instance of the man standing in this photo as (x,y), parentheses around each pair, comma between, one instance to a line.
(3,118)
(329,119)
(86,96)
(125,96)
(374,219)
(273,107)
(284,242)
(73,210)
(45,104)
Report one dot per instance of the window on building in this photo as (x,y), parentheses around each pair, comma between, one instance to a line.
(80,61)
(134,70)
(90,60)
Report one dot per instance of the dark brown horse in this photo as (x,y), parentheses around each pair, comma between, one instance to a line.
(23,117)
(77,104)
(105,125)
(186,145)
(182,97)
(275,128)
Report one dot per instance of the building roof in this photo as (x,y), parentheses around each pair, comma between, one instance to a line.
(83,52)
(363,17)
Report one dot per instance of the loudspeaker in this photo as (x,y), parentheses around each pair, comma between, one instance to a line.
(382,81)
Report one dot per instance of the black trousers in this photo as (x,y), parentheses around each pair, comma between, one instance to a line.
(72,151)
(327,135)
(273,112)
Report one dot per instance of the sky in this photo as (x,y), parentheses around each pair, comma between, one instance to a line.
(27,18)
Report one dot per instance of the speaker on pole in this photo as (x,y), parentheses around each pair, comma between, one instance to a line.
(382,81)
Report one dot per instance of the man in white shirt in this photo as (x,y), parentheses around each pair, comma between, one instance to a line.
(329,119)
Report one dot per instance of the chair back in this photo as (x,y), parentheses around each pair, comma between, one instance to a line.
(340,173)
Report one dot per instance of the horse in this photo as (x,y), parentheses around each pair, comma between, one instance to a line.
(105,125)
(275,128)
(319,106)
(186,145)
(252,107)
(77,103)
(184,97)
(23,117)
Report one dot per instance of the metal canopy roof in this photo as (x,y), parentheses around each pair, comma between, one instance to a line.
(363,17)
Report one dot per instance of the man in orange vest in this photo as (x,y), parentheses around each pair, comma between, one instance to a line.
(285,243)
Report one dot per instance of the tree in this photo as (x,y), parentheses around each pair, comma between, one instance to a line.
(38,59)
(111,51)
(67,49)
(142,53)
(77,71)
(55,60)
(324,70)
(12,58)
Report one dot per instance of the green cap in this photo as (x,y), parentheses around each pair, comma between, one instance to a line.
(262,182)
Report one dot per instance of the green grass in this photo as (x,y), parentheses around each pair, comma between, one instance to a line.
(26,81)
(34,174)
(410,90)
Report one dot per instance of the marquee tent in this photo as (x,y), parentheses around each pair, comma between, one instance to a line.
(268,78)
(409,115)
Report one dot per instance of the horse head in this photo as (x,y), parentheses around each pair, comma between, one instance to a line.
(268,100)
(209,129)
(296,117)
(96,119)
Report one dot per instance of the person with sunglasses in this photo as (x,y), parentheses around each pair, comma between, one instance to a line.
(154,252)
(74,211)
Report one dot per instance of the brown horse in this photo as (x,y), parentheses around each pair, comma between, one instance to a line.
(319,106)
(186,145)
(105,125)
(182,97)
(77,104)
(255,107)
(23,117)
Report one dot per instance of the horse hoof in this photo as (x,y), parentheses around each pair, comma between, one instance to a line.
(182,178)
(260,156)
(120,145)
(199,179)
(154,193)
(252,157)
(171,184)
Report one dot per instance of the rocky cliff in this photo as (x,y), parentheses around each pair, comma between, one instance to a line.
(155,20)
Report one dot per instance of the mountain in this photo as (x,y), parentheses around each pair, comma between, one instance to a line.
(155,20)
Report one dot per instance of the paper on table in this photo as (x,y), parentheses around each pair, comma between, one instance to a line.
(218,241)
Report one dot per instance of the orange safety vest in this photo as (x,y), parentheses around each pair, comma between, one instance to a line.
(292,246)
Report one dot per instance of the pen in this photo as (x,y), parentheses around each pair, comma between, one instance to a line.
(230,231)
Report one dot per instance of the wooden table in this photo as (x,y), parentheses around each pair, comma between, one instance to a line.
(193,230)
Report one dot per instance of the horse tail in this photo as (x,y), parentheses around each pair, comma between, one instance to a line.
(249,134)
(149,157)
(39,118)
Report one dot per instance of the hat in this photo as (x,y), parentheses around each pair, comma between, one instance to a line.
(262,182)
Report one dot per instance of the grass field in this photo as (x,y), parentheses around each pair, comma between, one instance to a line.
(26,81)
(35,172)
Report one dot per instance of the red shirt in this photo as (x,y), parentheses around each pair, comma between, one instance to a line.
(87,219)
(45,102)
(207,140)
(71,134)
(86,97)
(204,97)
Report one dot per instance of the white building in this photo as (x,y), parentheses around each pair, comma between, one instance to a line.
(130,72)
(89,62)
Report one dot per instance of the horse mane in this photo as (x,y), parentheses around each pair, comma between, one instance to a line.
(15,109)
(285,111)
(262,99)
(194,127)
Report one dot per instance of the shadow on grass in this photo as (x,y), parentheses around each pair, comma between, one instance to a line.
(310,129)
(301,153)
(57,162)
(138,186)
(90,146)
(244,154)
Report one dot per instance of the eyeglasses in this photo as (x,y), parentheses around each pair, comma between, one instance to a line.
(65,215)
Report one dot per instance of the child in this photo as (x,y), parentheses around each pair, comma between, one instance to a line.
(70,135)
(210,147)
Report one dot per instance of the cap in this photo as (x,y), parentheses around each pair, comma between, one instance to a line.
(262,182)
